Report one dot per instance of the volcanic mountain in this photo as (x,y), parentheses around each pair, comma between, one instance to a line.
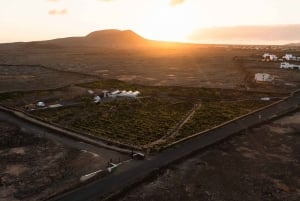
(294,44)
(106,38)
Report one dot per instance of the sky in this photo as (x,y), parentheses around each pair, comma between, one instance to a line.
(171,20)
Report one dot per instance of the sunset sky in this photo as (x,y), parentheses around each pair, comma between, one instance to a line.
(173,20)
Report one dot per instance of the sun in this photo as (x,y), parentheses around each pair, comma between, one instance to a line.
(168,23)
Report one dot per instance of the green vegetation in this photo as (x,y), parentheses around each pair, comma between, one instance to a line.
(144,120)
(131,121)
(212,114)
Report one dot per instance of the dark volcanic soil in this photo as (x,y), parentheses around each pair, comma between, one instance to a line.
(34,168)
(261,164)
(27,78)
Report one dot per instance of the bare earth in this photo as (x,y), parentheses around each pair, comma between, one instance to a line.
(260,164)
(27,78)
(196,66)
(34,168)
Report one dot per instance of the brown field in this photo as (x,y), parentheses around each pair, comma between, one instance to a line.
(27,78)
(219,78)
(195,66)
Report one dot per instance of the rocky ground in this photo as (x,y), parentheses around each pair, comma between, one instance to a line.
(262,163)
(34,168)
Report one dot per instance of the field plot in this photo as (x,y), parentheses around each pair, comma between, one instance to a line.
(129,121)
(211,66)
(212,114)
(197,66)
(26,78)
(149,118)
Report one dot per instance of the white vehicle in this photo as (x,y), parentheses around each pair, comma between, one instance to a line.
(286,65)
(263,77)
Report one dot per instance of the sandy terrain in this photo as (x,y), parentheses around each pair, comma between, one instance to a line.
(260,164)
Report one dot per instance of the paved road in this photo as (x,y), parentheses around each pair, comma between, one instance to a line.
(127,176)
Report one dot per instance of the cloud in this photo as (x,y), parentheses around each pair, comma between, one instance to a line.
(176,2)
(249,33)
(58,12)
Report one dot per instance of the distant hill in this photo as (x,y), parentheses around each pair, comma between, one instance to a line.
(105,38)
(293,44)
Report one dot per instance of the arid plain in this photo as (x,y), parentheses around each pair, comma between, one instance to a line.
(213,83)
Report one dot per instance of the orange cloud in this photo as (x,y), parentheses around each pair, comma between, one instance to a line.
(248,33)
(58,12)
(176,2)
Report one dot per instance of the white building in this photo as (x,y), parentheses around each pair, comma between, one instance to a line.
(286,65)
(289,57)
(265,55)
(263,77)
(114,94)
(105,94)
(97,99)
(91,92)
(269,57)
(129,94)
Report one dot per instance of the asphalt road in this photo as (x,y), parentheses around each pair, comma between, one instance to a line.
(126,176)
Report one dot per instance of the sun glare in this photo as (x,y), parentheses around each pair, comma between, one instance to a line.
(168,23)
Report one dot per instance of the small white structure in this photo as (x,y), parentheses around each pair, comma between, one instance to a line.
(289,57)
(131,94)
(41,104)
(286,65)
(263,77)
(124,93)
(114,94)
(269,57)
(273,57)
(91,92)
(97,99)
(265,99)
(105,93)
(265,55)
